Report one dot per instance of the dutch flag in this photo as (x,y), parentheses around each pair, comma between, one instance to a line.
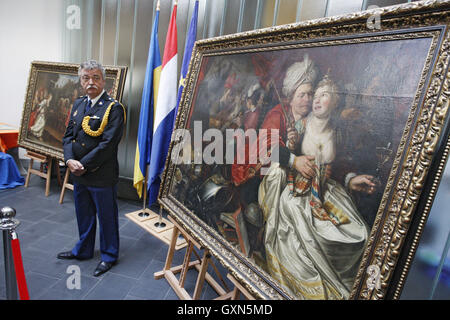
(165,109)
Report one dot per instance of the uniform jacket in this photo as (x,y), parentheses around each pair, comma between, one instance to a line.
(97,154)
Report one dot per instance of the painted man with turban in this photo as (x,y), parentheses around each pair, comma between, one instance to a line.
(280,135)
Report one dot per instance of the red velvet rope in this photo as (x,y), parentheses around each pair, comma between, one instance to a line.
(20,273)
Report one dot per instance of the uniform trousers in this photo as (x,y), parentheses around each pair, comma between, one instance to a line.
(91,202)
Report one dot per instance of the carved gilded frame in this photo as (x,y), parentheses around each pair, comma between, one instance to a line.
(416,170)
(62,82)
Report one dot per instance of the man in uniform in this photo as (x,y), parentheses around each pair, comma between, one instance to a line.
(90,151)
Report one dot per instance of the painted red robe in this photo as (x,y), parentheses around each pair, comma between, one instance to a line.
(274,120)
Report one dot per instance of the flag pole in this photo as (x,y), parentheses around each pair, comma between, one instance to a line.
(144,212)
(160,223)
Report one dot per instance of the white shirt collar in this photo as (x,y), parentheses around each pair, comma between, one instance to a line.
(94,101)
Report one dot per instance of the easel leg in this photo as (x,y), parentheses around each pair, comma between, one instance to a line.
(201,265)
(49,176)
(235,294)
(63,190)
(187,258)
(58,174)
(43,159)
(220,277)
(30,166)
(201,275)
(171,251)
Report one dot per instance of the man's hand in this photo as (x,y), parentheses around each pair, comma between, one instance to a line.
(76,167)
(305,165)
(293,138)
(362,183)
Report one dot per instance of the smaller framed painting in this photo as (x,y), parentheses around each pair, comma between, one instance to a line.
(52,89)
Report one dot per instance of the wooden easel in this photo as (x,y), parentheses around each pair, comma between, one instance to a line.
(201,265)
(66,185)
(43,159)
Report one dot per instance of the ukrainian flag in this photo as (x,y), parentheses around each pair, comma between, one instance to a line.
(148,105)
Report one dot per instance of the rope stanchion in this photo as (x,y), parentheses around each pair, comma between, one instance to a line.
(14,271)
(18,265)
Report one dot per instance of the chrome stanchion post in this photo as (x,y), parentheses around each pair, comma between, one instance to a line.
(8,225)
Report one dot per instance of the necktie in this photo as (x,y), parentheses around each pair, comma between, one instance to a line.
(88,106)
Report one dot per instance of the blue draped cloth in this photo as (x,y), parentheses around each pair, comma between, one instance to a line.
(9,173)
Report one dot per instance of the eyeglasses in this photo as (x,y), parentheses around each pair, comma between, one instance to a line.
(94,78)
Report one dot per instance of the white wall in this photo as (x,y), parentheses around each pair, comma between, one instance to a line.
(29,30)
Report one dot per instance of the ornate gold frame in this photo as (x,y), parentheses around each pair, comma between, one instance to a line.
(416,170)
(116,74)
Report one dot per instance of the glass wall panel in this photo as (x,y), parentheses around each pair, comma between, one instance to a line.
(231,17)
(73,48)
(423,281)
(184,9)
(313,9)
(268,9)
(109,22)
(287,12)
(92,18)
(250,15)
(337,7)
(382,3)
(123,56)
(213,18)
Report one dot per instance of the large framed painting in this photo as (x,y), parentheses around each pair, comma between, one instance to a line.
(52,89)
(306,157)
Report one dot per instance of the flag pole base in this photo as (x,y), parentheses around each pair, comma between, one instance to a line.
(144,214)
(160,224)
(148,224)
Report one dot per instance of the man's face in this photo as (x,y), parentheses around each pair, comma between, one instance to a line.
(92,82)
(302,99)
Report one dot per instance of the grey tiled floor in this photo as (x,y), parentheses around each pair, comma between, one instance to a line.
(47,227)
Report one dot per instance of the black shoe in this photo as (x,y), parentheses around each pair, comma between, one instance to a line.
(67,255)
(102,267)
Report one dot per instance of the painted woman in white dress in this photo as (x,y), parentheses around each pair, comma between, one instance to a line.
(314,237)
(38,127)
